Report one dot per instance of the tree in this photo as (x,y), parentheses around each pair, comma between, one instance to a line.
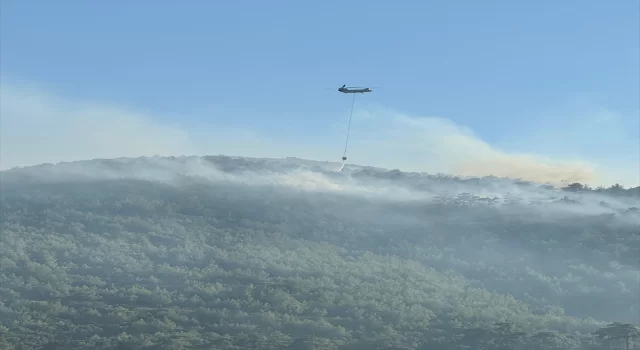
(619,330)
(553,341)
(575,187)
(616,189)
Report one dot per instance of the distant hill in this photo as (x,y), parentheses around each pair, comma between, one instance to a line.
(240,253)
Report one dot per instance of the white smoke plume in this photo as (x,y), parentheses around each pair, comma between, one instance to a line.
(40,127)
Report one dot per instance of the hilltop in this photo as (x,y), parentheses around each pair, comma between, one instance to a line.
(233,252)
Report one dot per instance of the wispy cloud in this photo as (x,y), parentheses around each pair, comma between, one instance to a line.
(39,127)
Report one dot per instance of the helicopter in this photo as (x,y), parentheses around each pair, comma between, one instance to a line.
(353,90)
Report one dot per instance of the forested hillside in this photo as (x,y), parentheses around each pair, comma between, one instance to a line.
(239,253)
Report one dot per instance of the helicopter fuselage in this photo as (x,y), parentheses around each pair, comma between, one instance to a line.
(353,91)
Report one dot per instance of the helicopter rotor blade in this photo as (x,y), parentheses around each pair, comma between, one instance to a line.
(352,87)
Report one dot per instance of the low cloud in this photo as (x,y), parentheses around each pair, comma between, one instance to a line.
(39,127)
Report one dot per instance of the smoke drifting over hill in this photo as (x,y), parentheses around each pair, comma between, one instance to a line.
(40,127)
(283,251)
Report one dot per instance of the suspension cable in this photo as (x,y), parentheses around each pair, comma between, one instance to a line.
(346,143)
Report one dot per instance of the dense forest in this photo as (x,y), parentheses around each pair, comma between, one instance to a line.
(239,253)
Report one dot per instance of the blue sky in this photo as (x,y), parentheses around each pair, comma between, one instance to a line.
(548,82)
